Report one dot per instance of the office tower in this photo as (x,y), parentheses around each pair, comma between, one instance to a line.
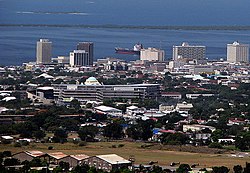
(43,51)
(152,54)
(237,52)
(88,47)
(189,52)
(79,58)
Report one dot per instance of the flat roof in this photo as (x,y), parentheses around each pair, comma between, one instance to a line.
(113,159)
(106,108)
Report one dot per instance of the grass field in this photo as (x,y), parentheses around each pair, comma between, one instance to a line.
(141,155)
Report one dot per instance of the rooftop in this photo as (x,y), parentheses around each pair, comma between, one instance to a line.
(113,159)
(80,156)
(35,153)
(57,155)
(106,108)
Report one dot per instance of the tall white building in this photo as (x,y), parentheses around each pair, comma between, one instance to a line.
(43,51)
(186,51)
(79,58)
(152,54)
(237,52)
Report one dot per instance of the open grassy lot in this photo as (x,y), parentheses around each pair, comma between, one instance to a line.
(142,155)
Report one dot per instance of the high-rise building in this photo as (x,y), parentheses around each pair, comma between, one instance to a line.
(152,54)
(79,58)
(43,51)
(88,47)
(189,52)
(237,52)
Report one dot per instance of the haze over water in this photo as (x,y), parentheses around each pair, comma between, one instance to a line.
(17,43)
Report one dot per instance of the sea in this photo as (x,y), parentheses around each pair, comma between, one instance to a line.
(104,22)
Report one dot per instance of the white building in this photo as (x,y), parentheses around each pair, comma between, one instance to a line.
(108,110)
(237,52)
(79,58)
(186,51)
(43,51)
(62,60)
(132,110)
(183,107)
(195,96)
(197,128)
(152,54)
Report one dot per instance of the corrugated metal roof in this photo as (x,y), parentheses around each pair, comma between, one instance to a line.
(57,155)
(113,159)
(35,153)
(80,156)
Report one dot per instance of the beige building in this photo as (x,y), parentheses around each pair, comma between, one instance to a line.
(43,51)
(152,54)
(190,52)
(237,52)
(197,128)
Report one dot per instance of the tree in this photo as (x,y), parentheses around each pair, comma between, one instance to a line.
(36,162)
(238,169)
(70,124)
(88,133)
(64,166)
(113,130)
(142,130)
(6,153)
(183,168)
(81,169)
(60,135)
(215,145)
(216,135)
(221,169)
(247,168)
(75,104)
(39,134)
(243,141)
(174,139)
(11,162)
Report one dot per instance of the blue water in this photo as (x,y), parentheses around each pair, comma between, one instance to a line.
(123,12)
(18,44)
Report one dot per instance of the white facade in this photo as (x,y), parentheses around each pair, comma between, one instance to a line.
(197,127)
(152,54)
(43,51)
(79,58)
(186,51)
(108,110)
(237,52)
(63,60)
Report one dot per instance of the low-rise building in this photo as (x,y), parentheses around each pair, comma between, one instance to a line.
(173,95)
(107,162)
(56,157)
(28,155)
(75,160)
(108,110)
(184,107)
(166,108)
(132,110)
(197,128)
(195,96)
